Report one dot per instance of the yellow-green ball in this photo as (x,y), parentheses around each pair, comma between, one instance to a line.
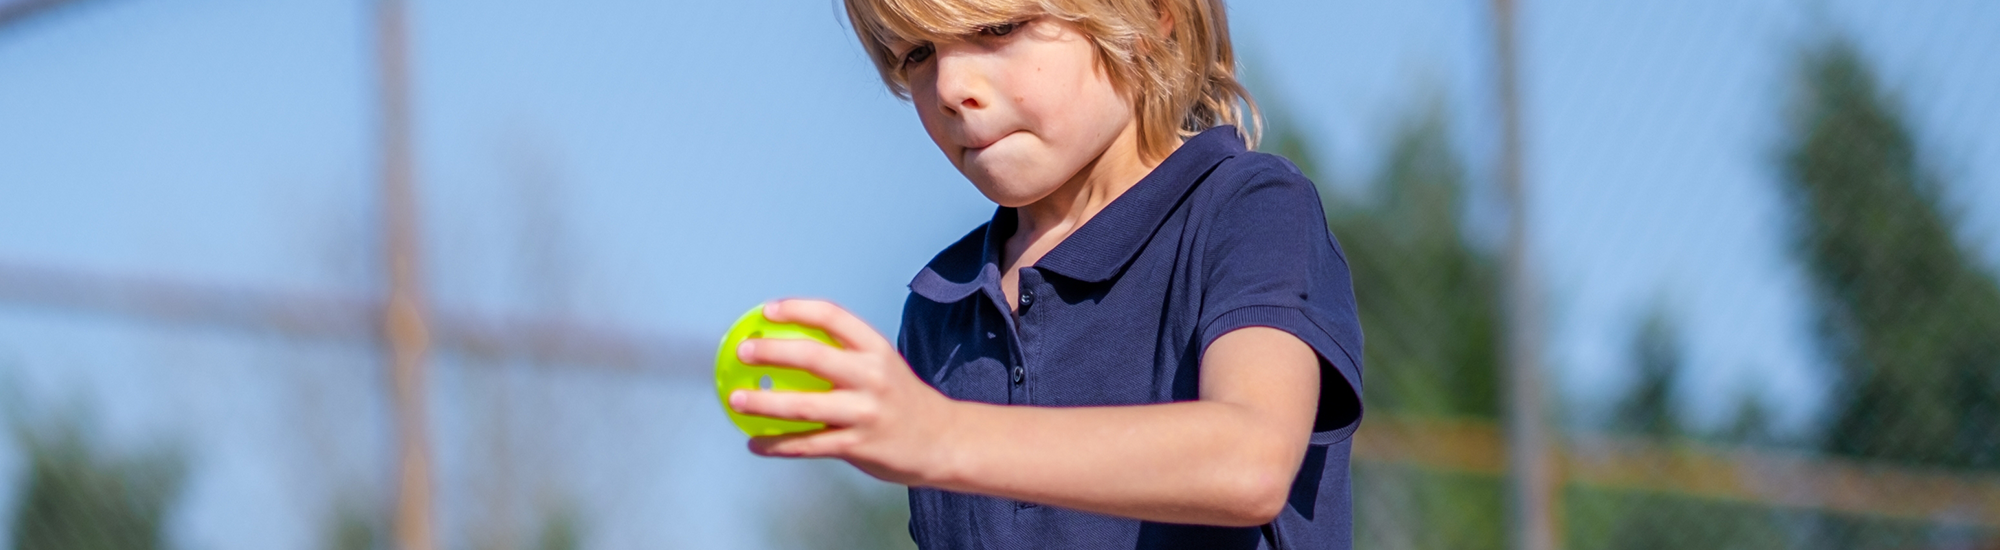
(731,374)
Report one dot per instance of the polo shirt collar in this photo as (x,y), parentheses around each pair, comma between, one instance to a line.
(1105,244)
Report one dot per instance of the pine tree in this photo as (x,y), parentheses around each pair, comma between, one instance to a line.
(1904,314)
(1429,305)
(76,498)
(1428,298)
(1650,407)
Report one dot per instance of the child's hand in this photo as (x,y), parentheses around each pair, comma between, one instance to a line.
(880,417)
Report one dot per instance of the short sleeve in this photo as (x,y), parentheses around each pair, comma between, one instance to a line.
(1270,261)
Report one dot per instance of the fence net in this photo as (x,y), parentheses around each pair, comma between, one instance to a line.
(1894,446)
(1857,185)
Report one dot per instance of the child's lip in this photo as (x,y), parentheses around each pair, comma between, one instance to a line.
(982,145)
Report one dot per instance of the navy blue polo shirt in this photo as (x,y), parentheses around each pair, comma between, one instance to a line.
(1216,238)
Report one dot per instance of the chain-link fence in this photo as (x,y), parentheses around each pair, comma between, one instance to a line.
(1682,412)
(1870,207)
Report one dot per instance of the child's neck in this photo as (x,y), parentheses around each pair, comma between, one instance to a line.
(1042,225)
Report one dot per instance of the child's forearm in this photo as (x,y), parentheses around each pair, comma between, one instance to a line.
(1190,462)
(1227,459)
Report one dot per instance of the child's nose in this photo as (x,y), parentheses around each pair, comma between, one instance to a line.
(957,83)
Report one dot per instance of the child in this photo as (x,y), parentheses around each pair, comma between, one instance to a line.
(1153,344)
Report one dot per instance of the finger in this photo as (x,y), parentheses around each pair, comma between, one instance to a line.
(820,359)
(852,332)
(834,408)
(763,445)
(816,443)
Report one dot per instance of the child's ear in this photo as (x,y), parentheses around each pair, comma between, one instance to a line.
(1166,17)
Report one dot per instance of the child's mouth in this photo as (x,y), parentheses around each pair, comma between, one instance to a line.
(973,152)
(987,143)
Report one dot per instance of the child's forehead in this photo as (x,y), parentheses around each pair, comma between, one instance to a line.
(915,21)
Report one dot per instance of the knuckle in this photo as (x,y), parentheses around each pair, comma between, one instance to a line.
(796,306)
(779,406)
(787,352)
(809,411)
(752,402)
(842,444)
(760,409)
(814,352)
(784,447)
(868,413)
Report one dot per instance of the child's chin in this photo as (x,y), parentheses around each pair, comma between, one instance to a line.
(1011,194)
(1010,181)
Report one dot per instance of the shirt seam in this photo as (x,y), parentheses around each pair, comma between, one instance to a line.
(1338,434)
(1207,339)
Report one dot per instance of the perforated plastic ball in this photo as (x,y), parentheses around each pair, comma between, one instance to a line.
(731,374)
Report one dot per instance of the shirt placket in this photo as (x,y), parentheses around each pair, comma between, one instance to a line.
(1016,376)
(1028,315)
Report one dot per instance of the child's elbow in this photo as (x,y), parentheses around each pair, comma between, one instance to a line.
(1256,500)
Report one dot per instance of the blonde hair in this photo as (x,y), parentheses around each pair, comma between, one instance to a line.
(1180,80)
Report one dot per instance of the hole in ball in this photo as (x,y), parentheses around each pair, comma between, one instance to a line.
(764,383)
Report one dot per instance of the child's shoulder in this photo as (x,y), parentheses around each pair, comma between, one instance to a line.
(1258,185)
(1255,169)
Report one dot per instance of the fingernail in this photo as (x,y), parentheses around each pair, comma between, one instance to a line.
(771,308)
(736,399)
(744,350)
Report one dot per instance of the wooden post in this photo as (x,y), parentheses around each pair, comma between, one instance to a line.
(1534,491)
(403,323)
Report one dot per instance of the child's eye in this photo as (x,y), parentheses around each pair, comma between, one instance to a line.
(1002,29)
(917,55)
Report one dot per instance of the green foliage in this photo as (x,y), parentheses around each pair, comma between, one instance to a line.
(1429,304)
(1904,313)
(353,530)
(561,531)
(360,528)
(1403,507)
(77,498)
(1643,521)
(837,511)
(1650,407)
(1429,300)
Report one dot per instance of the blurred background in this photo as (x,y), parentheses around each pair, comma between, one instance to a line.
(448,274)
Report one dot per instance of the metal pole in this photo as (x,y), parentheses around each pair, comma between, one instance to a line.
(1531,470)
(403,315)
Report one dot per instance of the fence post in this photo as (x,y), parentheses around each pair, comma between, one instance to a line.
(1533,488)
(403,323)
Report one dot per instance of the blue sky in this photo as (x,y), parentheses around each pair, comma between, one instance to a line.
(664,145)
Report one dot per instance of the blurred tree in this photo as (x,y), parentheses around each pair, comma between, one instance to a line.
(562,530)
(1429,299)
(1651,407)
(1628,520)
(838,509)
(1905,314)
(74,497)
(1429,304)
(354,529)
(361,528)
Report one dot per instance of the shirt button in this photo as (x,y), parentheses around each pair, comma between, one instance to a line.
(1027,299)
(1020,375)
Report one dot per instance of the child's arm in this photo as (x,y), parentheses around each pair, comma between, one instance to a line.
(1225,459)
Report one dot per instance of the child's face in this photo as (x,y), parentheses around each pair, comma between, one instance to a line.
(1019,109)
